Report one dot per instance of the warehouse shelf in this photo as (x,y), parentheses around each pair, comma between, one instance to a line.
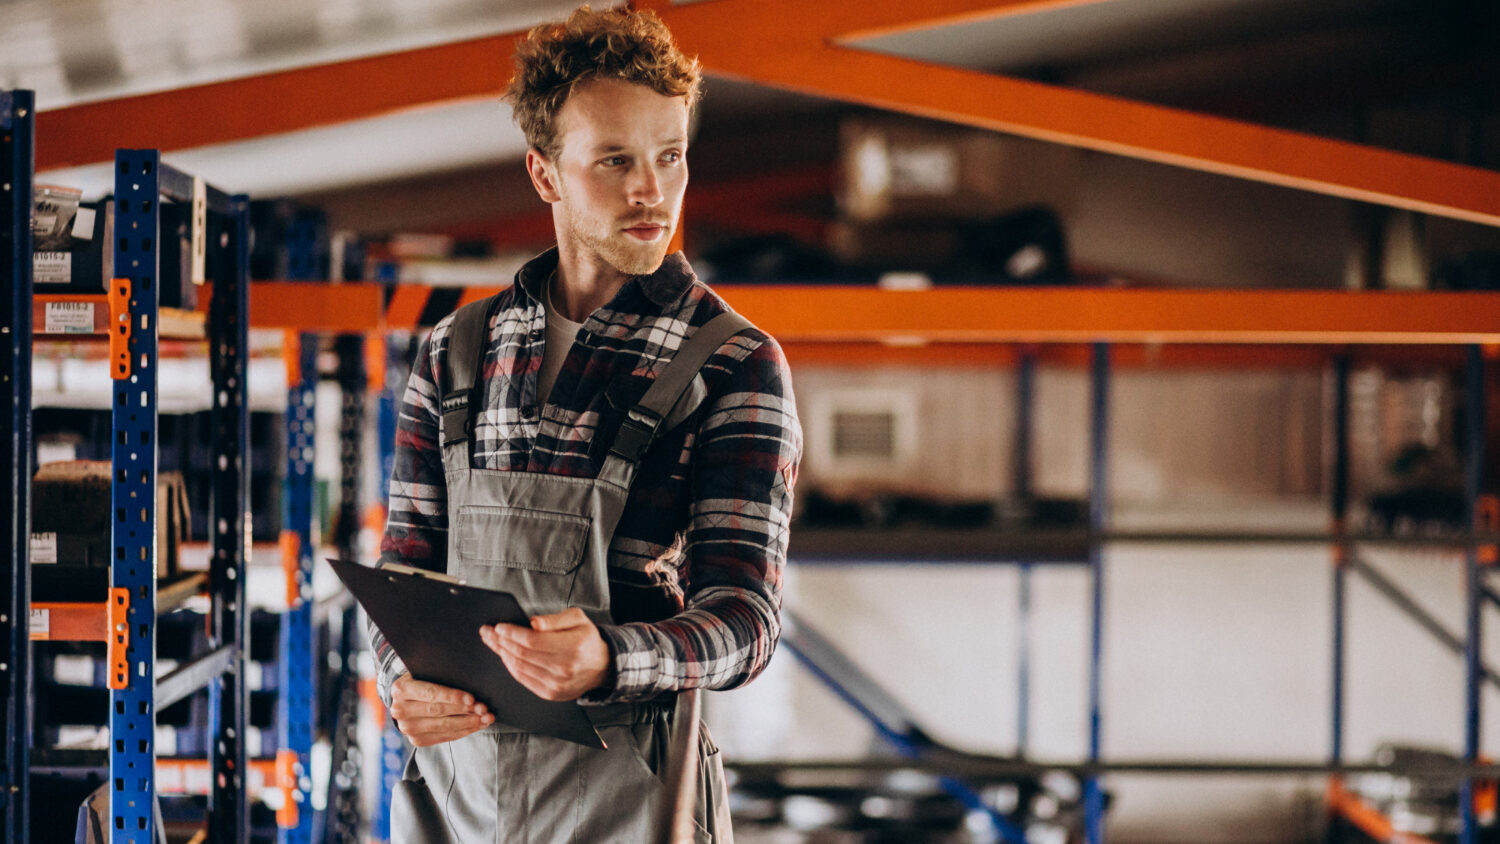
(128,621)
(827,314)
(66,316)
(75,621)
(821,545)
(1086,542)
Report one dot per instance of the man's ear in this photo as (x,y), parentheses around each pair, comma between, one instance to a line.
(543,175)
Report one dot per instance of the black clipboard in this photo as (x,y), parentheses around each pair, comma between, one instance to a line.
(433,623)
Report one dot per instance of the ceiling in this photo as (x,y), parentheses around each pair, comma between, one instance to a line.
(1413,75)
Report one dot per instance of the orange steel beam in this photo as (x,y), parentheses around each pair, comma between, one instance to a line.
(1364,816)
(1052,315)
(312,306)
(777,43)
(73,622)
(793,44)
(273,103)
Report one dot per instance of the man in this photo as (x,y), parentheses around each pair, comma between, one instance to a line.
(511,483)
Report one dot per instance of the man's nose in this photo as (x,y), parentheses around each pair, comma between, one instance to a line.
(645,187)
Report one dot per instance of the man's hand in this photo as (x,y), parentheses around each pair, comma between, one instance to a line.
(560,657)
(430,714)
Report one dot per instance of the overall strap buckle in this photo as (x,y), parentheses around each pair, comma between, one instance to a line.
(455,412)
(636,433)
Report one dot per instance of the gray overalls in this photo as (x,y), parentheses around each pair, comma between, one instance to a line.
(545,539)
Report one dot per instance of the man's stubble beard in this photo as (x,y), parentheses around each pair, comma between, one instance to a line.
(616,249)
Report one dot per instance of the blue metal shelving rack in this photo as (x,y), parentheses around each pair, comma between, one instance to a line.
(17,133)
(296,710)
(141,183)
(344,815)
(392,743)
(136,693)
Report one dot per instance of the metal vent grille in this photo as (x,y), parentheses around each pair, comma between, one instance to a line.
(864,434)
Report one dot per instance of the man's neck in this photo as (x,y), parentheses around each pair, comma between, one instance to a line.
(582,286)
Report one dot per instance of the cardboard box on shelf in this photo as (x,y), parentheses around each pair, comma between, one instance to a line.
(892,168)
(70,522)
(76,256)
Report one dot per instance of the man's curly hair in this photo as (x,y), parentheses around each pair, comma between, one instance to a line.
(551,61)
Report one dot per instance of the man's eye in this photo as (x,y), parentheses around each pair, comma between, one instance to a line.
(672,157)
(614,160)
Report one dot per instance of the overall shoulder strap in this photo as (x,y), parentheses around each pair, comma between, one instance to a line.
(644,419)
(466,343)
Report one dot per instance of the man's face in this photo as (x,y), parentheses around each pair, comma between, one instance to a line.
(620,173)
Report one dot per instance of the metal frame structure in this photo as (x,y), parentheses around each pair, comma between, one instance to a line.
(1480,544)
(17,112)
(345,812)
(296,710)
(392,743)
(230,526)
(142,181)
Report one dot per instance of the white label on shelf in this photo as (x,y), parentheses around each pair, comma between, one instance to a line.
(81,735)
(83,223)
(253,741)
(255,676)
(69,318)
(73,669)
(166,740)
(168,777)
(197,780)
(52,267)
(43,548)
(41,624)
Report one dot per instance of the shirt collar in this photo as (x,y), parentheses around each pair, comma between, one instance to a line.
(661,288)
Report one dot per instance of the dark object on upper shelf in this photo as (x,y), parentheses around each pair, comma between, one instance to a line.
(1426,499)
(80,267)
(1474,271)
(819,509)
(288,241)
(70,527)
(766,259)
(1415,806)
(1021,247)
(1026,246)
(88,264)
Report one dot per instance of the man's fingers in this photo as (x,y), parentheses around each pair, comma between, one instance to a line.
(539,642)
(436,730)
(521,644)
(570,617)
(409,687)
(535,664)
(540,682)
(409,708)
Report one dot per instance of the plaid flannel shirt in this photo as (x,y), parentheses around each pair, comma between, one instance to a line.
(696,562)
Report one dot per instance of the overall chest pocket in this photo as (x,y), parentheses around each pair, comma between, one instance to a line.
(540,556)
(520,538)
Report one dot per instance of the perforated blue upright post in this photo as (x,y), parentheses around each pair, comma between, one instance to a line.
(296,710)
(17,158)
(133,359)
(1093,796)
(392,745)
